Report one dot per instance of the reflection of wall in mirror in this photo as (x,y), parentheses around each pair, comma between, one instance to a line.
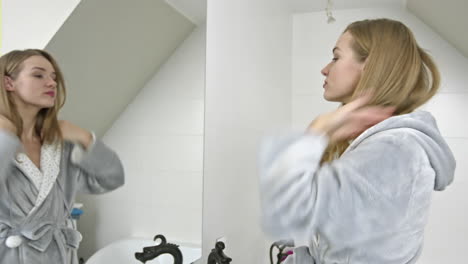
(159,138)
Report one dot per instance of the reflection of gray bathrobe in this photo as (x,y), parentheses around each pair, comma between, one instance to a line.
(369,206)
(46,239)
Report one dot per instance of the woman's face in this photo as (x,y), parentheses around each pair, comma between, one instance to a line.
(35,85)
(343,72)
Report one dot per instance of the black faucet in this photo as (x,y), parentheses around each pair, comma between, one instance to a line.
(217,255)
(280,245)
(153,252)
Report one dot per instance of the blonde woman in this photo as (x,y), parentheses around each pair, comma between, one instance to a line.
(44,162)
(356,186)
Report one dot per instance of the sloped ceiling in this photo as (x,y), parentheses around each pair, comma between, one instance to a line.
(108,50)
(448,18)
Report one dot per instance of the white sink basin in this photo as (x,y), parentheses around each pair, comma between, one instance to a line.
(123,252)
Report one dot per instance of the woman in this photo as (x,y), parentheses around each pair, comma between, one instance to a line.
(44,163)
(356,187)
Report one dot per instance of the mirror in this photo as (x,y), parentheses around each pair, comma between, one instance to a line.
(135,76)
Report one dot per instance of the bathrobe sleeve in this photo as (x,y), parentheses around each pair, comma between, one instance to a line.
(364,189)
(100,168)
(9,145)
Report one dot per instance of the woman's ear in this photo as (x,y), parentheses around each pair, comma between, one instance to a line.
(8,82)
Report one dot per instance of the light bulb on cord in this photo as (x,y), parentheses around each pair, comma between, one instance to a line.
(330,18)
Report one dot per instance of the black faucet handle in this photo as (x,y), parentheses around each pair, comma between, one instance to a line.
(217,255)
(152,252)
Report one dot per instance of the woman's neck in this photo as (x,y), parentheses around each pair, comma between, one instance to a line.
(29,117)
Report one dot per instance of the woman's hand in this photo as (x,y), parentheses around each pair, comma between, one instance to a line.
(75,134)
(350,120)
(7,125)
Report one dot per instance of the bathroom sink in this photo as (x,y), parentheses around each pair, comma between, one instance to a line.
(123,252)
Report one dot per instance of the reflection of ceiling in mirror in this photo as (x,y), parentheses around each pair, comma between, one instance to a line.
(108,55)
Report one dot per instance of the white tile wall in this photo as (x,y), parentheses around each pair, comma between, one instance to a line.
(459,147)
(247,92)
(305,108)
(450,111)
(447,230)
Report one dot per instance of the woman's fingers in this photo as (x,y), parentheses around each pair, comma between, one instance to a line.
(359,120)
(356,103)
(372,114)
(351,119)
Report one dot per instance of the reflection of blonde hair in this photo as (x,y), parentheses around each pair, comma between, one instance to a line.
(397,71)
(47,127)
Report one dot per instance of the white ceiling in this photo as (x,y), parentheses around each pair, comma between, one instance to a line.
(448,18)
(303,6)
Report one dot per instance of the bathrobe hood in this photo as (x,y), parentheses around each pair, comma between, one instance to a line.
(430,139)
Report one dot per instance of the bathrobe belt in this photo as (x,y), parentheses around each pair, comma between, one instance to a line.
(39,236)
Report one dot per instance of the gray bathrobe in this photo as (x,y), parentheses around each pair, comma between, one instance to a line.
(369,206)
(45,232)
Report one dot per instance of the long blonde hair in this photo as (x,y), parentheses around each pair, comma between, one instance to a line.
(397,71)
(47,126)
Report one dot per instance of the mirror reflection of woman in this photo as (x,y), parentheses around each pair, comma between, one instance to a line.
(356,187)
(44,162)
